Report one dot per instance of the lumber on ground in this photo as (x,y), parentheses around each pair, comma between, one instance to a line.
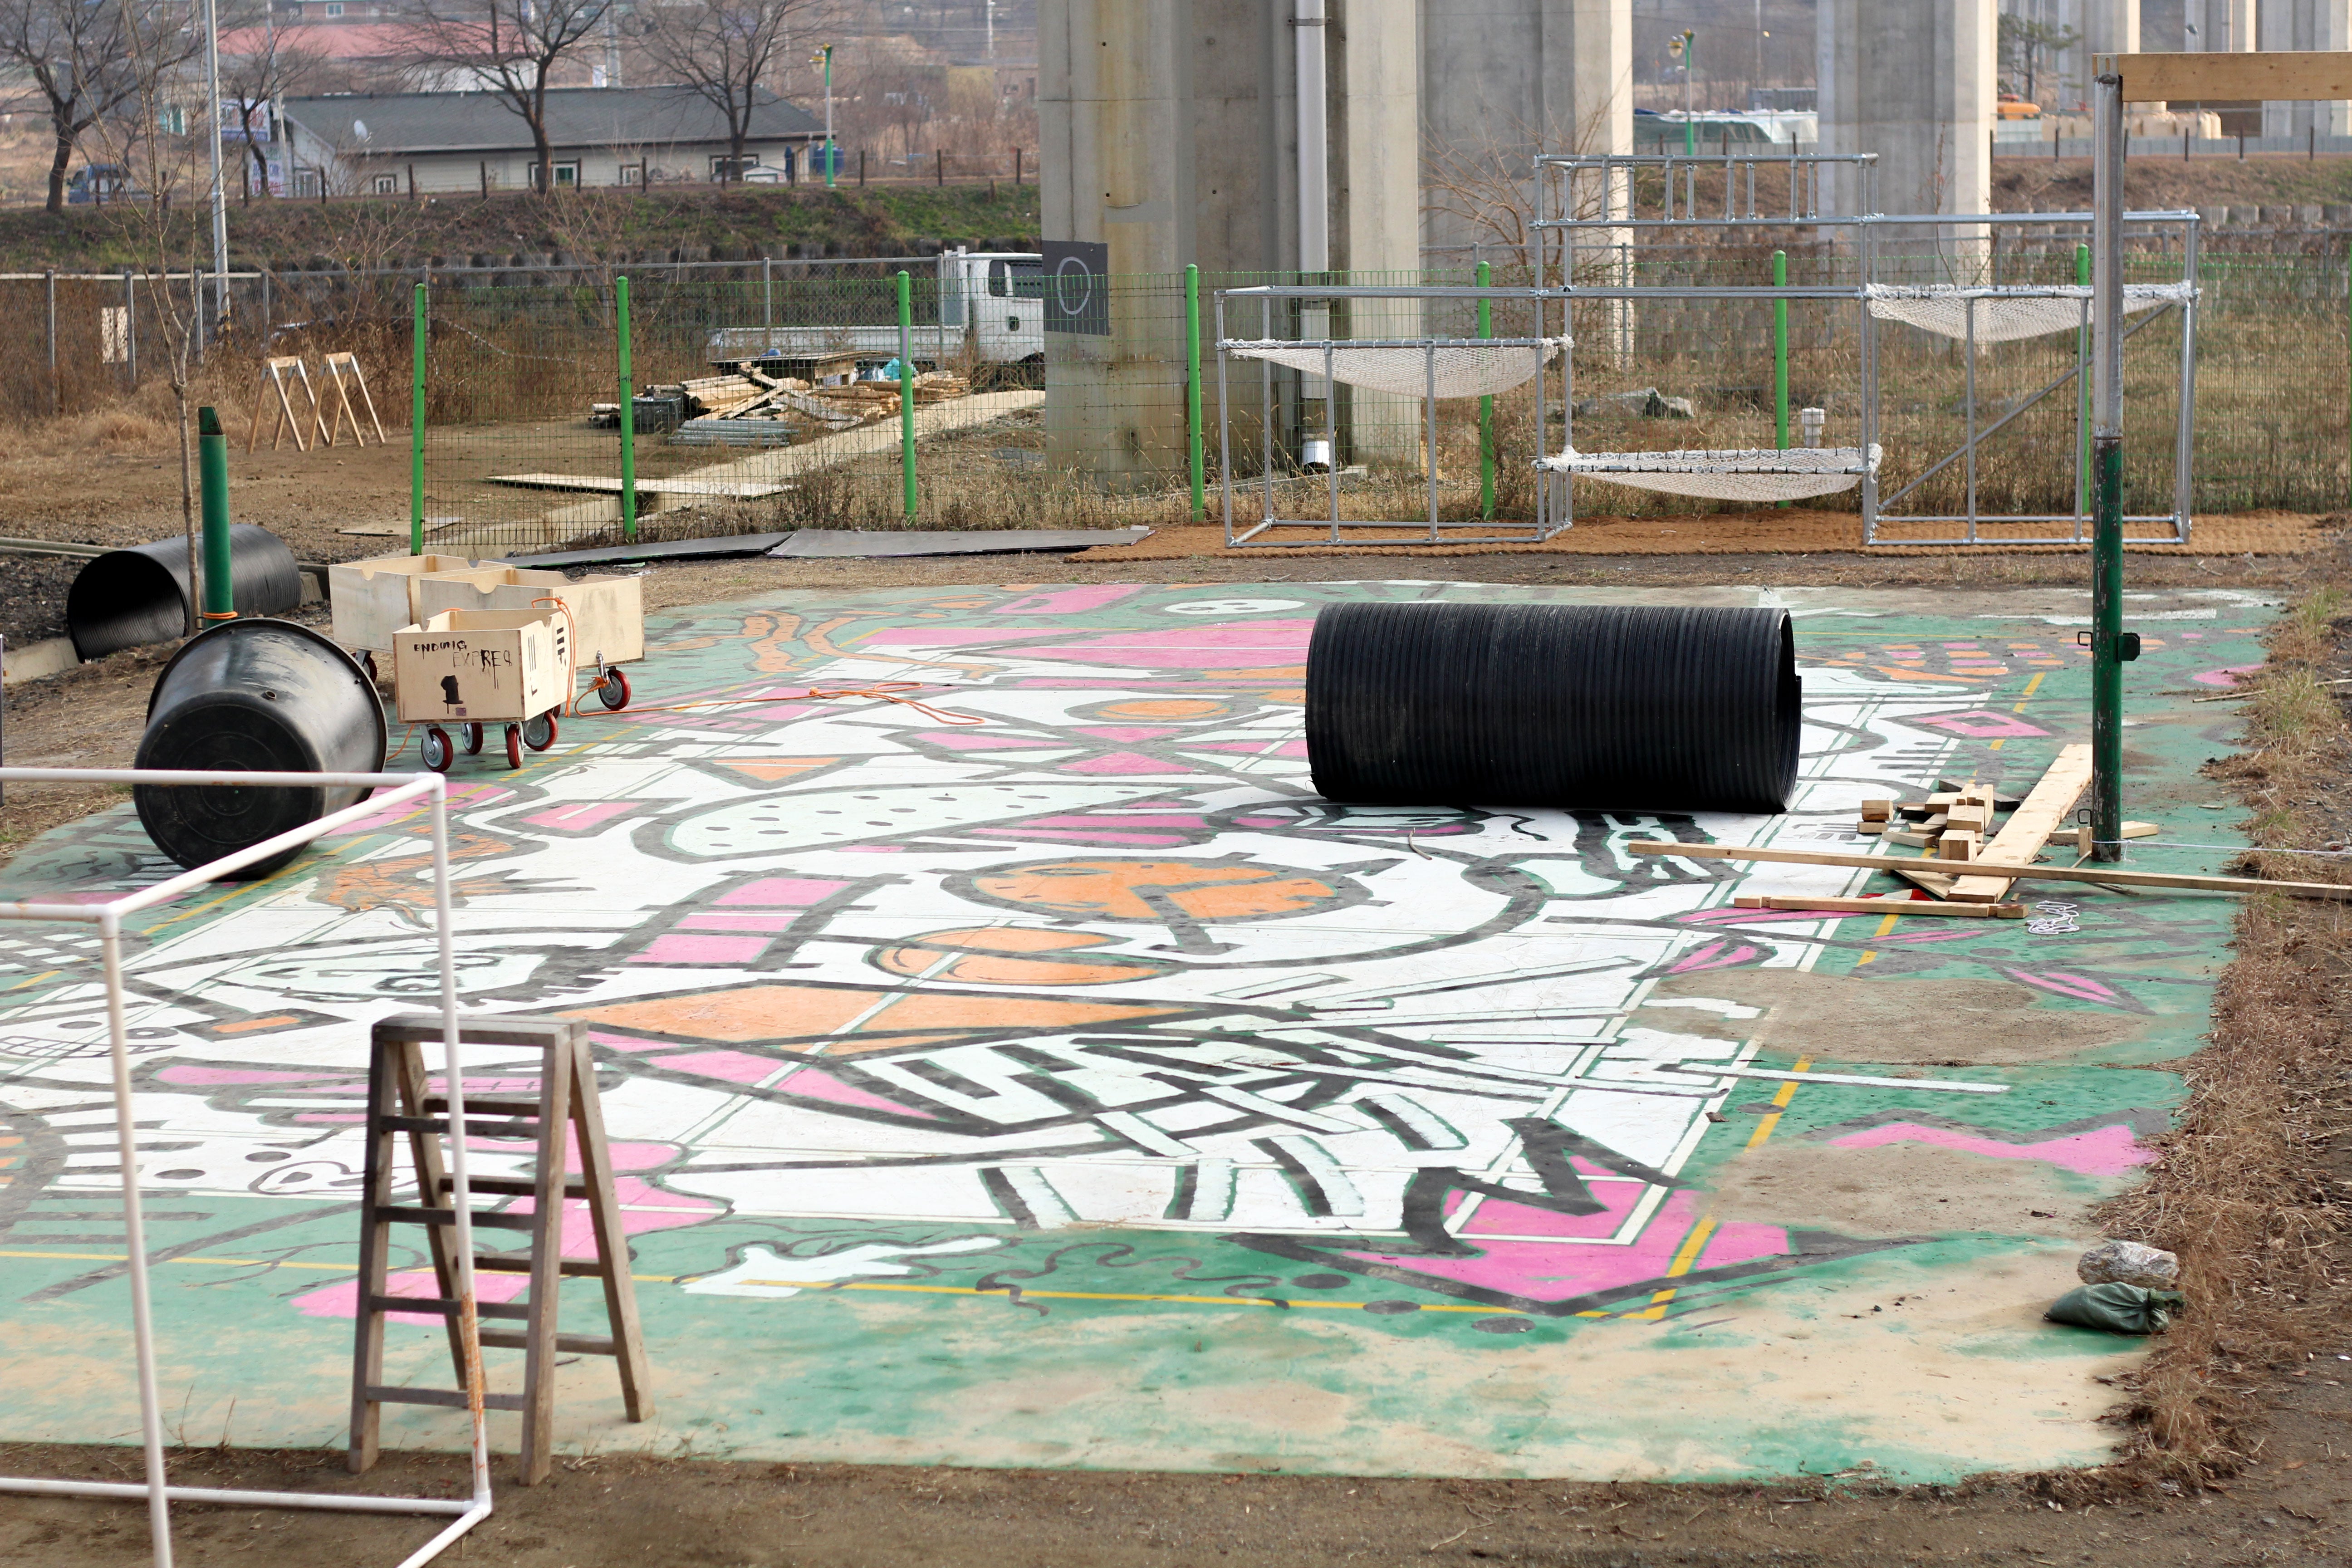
(2114,879)
(2029,827)
(1876,906)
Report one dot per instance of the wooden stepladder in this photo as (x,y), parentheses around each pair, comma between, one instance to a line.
(276,374)
(342,372)
(565,1113)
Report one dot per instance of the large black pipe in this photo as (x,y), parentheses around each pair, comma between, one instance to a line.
(1606,707)
(254,696)
(127,598)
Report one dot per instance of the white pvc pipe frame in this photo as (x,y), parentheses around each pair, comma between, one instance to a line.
(107,917)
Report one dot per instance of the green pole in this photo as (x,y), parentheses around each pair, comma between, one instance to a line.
(2082,395)
(906,390)
(1192,387)
(212,467)
(1485,407)
(831,158)
(1781,353)
(628,416)
(416,427)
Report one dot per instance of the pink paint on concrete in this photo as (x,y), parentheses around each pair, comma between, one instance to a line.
(734,1067)
(2225,676)
(2101,1151)
(1550,1271)
(1982,723)
(462,797)
(1124,762)
(1252,748)
(180,1073)
(737,922)
(1068,601)
(1129,731)
(1718,956)
(1499,1216)
(2080,987)
(629,1042)
(792,892)
(1191,648)
(677,949)
(815,1083)
(580,816)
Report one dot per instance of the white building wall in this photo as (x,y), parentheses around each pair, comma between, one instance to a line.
(2305,25)
(1912,81)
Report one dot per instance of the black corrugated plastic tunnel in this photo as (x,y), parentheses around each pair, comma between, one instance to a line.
(1633,708)
(127,598)
(254,696)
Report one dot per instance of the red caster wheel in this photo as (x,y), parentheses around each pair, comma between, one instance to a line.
(473,739)
(540,732)
(514,745)
(436,750)
(612,690)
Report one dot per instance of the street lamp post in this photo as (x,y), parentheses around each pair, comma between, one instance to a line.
(824,57)
(1683,47)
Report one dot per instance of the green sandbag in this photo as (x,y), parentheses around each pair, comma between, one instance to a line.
(2118,1308)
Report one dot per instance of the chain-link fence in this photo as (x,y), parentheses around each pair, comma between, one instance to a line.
(767,397)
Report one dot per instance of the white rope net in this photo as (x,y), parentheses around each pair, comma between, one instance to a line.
(1757,476)
(2003,315)
(1464,368)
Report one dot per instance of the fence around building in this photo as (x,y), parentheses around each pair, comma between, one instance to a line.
(1093,427)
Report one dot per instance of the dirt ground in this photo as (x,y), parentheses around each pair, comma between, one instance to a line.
(2278,1496)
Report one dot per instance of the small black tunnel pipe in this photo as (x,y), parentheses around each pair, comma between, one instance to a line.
(128,598)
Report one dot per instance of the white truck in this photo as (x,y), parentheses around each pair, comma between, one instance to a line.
(990,312)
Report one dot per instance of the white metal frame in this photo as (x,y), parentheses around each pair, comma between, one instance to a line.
(107,917)
(1741,210)
(1477,531)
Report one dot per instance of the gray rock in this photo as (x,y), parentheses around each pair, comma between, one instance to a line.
(1641,402)
(2129,1263)
(2306,215)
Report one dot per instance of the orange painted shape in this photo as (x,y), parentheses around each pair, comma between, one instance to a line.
(1013,955)
(930,1010)
(774,769)
(788,1011)
(247,1025)
(1264,672)
(1163,708)
(1144,889)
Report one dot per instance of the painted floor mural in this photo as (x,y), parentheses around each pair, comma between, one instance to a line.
(1039,1072)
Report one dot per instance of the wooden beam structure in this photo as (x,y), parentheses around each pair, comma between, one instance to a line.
(2111,878)
(2030,826)
(2278,76)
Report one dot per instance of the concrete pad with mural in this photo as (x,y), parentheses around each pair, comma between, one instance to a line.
(1040,1073)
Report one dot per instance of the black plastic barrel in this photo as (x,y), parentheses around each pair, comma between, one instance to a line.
(254,696)
(127,598)
(1606,707)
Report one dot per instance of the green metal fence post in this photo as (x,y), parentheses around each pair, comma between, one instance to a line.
(212,467)
(2083,393)
(1485,407)
(416,427)
(1192,389)
(906,389)
(628,414)
(1781,353)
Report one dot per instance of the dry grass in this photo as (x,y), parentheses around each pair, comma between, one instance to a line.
(2243,1188)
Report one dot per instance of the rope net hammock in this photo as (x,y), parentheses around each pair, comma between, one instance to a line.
(1464,367)
(1757,476)
(2004,315)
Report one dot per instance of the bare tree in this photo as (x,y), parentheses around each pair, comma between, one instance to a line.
(726,51)
(268,65)
(90,58)
(506,46)
(162,165)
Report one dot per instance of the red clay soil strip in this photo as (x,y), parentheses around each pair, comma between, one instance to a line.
(1797,531)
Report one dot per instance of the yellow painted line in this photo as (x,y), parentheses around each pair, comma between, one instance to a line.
(1107,1296)
(224,1262)
(36,979)
(1886,927)
(2030,687)
(1686,1255)
(1780,1103)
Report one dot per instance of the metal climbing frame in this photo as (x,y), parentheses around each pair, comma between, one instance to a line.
(1333,349)
(1678,204)
(391,790)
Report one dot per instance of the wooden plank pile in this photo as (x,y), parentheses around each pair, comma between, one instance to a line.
(1967,867)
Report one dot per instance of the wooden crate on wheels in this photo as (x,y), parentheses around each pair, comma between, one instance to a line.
(604,616)
(473,667)
(374,598)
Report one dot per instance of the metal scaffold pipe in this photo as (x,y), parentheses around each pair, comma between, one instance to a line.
(2108,650)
